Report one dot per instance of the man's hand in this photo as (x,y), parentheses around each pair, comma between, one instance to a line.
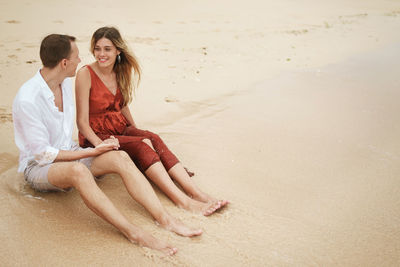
(109,144)
(100,149)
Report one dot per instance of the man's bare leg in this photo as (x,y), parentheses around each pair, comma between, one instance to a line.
(74,174)
(139,188)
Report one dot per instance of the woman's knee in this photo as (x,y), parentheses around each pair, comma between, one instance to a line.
(148,142)
(153,136)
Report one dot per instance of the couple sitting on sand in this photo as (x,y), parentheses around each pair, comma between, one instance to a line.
(43,113)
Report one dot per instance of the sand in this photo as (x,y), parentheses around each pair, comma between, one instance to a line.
(288,109)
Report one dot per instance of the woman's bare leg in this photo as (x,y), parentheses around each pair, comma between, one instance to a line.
(74,174)
(160,177)
(179,174)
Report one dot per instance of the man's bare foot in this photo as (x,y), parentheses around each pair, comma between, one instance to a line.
(172,224)
(147,240)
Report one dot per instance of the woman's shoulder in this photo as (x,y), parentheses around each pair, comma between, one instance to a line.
(83,75)
(84,70)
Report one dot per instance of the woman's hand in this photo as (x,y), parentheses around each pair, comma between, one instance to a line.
(111,141)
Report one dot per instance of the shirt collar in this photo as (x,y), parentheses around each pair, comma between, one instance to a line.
(46,90)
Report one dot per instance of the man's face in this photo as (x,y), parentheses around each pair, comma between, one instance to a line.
(73,61)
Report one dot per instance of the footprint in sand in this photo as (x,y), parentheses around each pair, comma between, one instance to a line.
(327,25)
(171,99)
(29,45)
(7,160)
(297,32)
(13,56)
(5,115)
(393,13)
(30,61)
(350,19)
(362,15)
(145,40)
(13,21)
(58,21)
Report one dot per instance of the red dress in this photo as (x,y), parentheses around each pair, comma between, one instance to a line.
(106,119)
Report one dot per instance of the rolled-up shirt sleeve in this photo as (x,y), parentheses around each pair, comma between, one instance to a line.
(31,133)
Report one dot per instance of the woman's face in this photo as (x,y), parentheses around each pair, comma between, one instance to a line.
(105,52)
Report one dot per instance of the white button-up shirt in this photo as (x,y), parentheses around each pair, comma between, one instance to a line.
(40,129)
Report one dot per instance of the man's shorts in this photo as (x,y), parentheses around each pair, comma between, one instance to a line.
(36,176)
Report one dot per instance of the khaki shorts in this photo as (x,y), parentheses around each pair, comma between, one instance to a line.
(36,176)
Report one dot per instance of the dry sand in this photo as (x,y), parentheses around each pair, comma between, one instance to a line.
(289,109)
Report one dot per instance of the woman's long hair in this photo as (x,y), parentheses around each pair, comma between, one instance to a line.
(122,68)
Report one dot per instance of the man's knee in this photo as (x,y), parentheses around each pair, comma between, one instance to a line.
(122,155)
(79,173)
(77,169)
(120,159)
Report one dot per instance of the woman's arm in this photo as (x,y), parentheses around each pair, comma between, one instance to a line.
(127,114)
(82,91)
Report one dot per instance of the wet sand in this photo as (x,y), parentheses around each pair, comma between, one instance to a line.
(292,114)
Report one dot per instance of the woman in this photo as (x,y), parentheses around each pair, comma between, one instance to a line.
(103,92)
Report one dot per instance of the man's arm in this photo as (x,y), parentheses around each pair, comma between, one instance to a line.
(31,134)
(68,155)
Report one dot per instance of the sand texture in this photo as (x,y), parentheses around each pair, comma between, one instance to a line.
(289,109)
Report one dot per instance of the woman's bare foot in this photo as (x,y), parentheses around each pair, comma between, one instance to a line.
(203,197)
(204,208)
(172,224)
(147,240)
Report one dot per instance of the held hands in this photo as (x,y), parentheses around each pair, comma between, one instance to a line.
(107,145)
(113,141)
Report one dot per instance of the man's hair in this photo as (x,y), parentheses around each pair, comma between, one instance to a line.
(54,48)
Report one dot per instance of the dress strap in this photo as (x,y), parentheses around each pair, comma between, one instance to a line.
(93,74)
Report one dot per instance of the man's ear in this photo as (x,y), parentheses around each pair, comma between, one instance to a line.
(63,63)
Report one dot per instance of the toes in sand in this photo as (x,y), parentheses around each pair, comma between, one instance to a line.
(214,206)
(172,224)
(147,240)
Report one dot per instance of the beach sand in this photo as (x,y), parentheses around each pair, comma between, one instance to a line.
(289,110)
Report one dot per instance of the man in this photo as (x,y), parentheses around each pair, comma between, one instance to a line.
(43,113)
